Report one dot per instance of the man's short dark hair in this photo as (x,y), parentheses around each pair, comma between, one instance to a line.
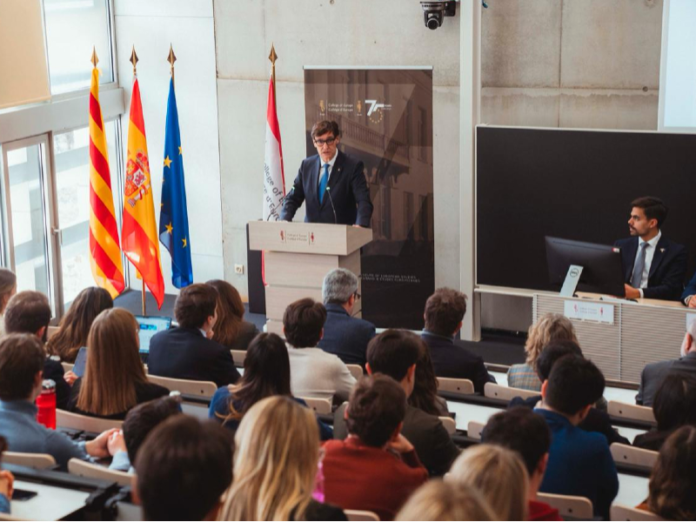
(392,353)
(654,208)
(551,353)
(376,406)
(145,417)
(322,127)
(21,357)
(195,304)
(27,312)
(303,321)
(444,310)
(183,468)
(573,384)
(675,402)
(521,430)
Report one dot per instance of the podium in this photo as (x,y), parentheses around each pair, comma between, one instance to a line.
(297,257)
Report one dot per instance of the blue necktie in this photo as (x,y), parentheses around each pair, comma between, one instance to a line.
(323,182)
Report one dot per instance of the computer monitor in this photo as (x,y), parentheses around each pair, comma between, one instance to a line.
(149,326)
(602,272)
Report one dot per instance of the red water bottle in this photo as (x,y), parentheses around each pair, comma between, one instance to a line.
(46,403)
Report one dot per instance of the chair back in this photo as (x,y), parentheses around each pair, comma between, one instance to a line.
(358,515)
(75,421)
(630,411)
(498,391)
(320,406)
(474,429)
(625,454)
(89,470)
(620,512)
(569,506)
(457,386)
(238,357)
(196,388)
(29,460)
(449,424)
(355,370)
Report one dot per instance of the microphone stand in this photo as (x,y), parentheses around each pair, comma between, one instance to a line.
(328,191)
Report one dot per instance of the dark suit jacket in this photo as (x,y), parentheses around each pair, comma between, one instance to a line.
(183,353)
(54,370)
(653,374)
(456,362)
(690,288)
(348,191)
(346,337)
(667,271)
(246,334)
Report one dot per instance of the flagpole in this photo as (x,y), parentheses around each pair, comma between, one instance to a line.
(171,59)
(273,57)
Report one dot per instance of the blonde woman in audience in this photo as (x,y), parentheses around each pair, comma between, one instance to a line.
(438,500)
(499,474)
(275,465)
(8,288)
(548,328)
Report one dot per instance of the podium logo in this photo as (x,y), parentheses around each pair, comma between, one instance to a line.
(375,112)
(282,236)
(322,107)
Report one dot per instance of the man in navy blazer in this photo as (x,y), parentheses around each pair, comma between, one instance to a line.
(187,352)
(331,182)
(689,292)
(653,266)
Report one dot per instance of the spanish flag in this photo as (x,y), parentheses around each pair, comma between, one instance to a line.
(139,231)
(104,249)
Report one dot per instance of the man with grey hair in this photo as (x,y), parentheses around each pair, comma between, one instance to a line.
(654,373)
(344,335)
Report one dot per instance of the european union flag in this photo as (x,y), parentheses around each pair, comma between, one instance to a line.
(173,225)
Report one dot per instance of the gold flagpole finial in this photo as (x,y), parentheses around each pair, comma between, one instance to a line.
(134,60)
(95,59)
(273,56)
(171,59)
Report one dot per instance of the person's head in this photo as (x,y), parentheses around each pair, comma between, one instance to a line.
(28,312)
(113,364)
(499,474)
(647,216)
(438,500)
(340,287)
(230,312)
(675,402)
(424,396)
(8,287)
(548,328)
(444,312)
(394,353)
(689,343)
(21,365)
(326,136)
(75,324)
(303,323)
(551,353)
(195,307)
(182,469)
(573,386)
(275,462)
(144,418)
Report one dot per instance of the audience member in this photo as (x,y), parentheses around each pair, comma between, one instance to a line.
(74,326)
(231,330)
(376,468)
(315,373)
(345,336)
(525,432)
(444,312)
(29,312)
(438,500)
(8,288)
(182,469)
(6,481)
(424,396)
(674,407)
(188,352)
(275,465)
(548,328)
(499,475)
(580,462)
(21,363)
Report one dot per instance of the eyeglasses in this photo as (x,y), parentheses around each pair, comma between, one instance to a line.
(357,296)
(328,141)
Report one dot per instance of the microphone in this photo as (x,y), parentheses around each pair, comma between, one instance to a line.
(328,191)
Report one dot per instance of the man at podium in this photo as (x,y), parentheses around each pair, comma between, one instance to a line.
(331,182)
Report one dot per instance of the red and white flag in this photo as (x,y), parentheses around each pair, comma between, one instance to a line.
(274,175)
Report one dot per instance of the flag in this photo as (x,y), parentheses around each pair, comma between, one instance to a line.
(104,249)
(173,223)
(274,176)
(139,230)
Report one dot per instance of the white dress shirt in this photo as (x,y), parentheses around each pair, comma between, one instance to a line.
(317,374)
(649,254)
(330,164)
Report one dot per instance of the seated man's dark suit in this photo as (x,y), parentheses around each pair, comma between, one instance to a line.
(667,270)
(653,374)
(456,362)
(346,337)
(184,353)
(347,188)
(690,289)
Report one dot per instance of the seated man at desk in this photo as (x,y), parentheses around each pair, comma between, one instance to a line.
(689,295)
(653,266)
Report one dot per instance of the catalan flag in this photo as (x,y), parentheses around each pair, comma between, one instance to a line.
(139,230)
(104,249)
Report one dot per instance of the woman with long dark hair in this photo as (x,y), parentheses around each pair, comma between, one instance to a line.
(231,330)
(424,396)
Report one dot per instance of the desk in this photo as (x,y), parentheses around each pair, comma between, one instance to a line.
(51,503)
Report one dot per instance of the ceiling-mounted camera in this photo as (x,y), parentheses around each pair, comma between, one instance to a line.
(434,12)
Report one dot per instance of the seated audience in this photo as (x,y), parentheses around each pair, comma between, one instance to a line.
(526,433)
(6,481)
(438,500)
(424,396)
(444,312)
(315,373)
(22,359)
(345,336)
(266,373)
(275,465)
(395,353)
(689,295)
(182,469)
(74,326)
(654,373)
(188,352)
(114,379)
(231,330)
(547,329)
(580,462)
(8,288)
(375,468)
(29,312)
(675,406)
(499,475)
